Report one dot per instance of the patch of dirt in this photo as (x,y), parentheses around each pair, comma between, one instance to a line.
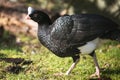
(12,18)
(13,69)
(12,60)
(16,61)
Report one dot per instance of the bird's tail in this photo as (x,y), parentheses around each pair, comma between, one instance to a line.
(113,35)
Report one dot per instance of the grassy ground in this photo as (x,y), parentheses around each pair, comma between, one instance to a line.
(44,64)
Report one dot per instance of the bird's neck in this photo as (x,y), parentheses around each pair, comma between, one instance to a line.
(45,20)
(43,30)
(44,27)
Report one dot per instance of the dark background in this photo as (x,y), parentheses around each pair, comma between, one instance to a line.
(12,12)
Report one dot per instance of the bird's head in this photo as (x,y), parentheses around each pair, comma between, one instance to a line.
(38,16)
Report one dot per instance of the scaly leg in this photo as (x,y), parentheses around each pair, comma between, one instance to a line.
(97,73)
(75,60)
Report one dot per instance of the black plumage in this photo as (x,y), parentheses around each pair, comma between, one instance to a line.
(65,35)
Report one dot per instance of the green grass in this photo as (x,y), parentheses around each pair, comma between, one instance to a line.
(45,64)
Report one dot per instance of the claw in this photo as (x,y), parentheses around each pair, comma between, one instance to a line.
(95,75)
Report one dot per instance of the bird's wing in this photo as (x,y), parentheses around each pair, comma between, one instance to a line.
(62,28)
(76,30)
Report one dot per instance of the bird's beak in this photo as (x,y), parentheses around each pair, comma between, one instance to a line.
(27,17)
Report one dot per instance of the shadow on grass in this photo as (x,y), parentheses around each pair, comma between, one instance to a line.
(111,71)
(2,55)
(8,41)
(107,72)
(102,78)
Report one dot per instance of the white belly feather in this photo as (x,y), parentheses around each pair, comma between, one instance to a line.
(90,46)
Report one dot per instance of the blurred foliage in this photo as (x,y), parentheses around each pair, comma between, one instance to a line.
(108,8)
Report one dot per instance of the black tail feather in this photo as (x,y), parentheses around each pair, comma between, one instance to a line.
(112,35)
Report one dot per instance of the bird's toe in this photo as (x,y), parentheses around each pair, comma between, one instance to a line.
(95,75)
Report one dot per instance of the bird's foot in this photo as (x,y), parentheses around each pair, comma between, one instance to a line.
(95,75)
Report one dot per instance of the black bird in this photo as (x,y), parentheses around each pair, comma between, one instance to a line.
(72,35)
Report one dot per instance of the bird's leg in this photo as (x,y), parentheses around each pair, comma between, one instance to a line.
(97,73)
(75,61)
